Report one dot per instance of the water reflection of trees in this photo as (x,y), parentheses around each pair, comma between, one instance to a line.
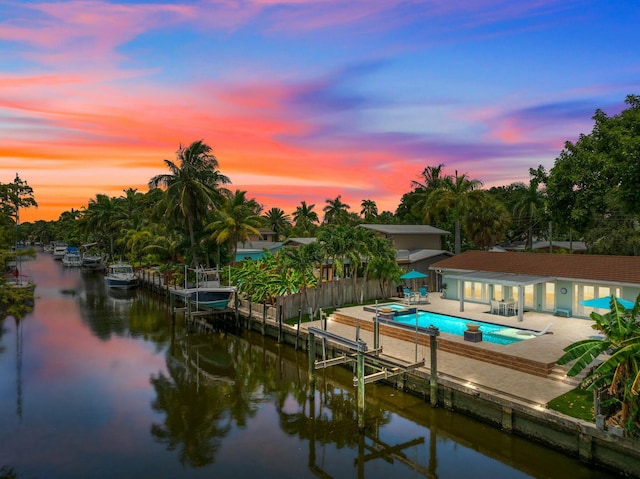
(217,382)
(135,313)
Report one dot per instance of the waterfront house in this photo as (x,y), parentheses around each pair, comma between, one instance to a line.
(255,249)
(417,246)
(542,282)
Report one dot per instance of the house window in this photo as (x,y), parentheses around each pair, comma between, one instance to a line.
(582,292)
(475,291)
(529,295)
(498,292)
(548,296)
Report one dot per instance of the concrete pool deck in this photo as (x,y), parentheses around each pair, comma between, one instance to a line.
(517,385)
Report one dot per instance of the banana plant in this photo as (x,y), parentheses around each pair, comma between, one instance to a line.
(619,371)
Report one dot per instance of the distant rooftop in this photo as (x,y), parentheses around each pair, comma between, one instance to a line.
(405,229)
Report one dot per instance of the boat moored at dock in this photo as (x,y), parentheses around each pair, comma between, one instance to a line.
(59,250)
(71,258)
(120,276)
(207,292)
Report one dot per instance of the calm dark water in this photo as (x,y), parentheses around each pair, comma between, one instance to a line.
(94,385)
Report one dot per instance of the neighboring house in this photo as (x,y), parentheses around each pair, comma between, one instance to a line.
(417,246)
(256,245)
(266,234)
(255,249)
(299,241)
(543,282)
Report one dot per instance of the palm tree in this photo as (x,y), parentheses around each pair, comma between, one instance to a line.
(412,204)
(165,244)
(454,195)
(131,209)
(193,188)
(334,209)
(432,178)
(530,203)
(67,226)
(304,218)
(277,220)
(382,263)
(303,260)
(101,218)
(620,370)
(238,219)
(486,221)
(369,209)
(135,242)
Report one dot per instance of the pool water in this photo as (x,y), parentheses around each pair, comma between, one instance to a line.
(393,306)
(491,333)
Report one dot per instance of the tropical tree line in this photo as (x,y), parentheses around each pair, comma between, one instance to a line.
(190,214)
(349,251)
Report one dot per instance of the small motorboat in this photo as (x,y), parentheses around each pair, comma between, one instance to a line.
(207,292)
(71,258)
(121,276)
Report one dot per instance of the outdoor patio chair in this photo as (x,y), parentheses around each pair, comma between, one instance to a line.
(536,333)
(408,295)
(424,295)
(495,306)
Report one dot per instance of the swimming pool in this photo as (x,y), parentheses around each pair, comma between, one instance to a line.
(491,333)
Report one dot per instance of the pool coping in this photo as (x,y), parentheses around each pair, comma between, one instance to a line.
(480,351)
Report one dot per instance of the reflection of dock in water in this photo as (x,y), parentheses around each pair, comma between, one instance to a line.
(380,450)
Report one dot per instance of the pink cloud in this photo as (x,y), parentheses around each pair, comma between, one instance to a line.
(82,31)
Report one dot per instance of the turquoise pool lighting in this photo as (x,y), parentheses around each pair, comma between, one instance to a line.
(393,306)
(491,333)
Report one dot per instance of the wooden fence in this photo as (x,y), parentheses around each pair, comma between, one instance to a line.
(328,294)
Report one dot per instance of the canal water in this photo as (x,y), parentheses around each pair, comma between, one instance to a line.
(101,385)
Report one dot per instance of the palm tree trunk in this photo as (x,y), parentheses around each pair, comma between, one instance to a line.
(192,238)
(458,241)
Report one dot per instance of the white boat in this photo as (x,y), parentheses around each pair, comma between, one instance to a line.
(59,249)
(71,258)
(121,276)
(207,291)
(92,260)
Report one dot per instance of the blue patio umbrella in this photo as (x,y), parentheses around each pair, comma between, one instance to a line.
(605,301)
(413,275)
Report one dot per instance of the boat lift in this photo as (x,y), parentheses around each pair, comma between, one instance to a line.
(358,352)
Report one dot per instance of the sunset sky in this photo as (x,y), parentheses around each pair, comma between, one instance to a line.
(302,100)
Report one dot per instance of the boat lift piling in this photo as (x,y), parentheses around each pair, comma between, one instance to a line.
(356,351)
(298,328)
(433,333)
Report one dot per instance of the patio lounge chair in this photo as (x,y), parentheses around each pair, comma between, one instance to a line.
(408,295)
(424,295)
(535,333)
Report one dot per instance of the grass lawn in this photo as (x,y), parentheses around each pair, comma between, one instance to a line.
(577,403)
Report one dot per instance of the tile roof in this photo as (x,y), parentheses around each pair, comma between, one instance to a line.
(615,269)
